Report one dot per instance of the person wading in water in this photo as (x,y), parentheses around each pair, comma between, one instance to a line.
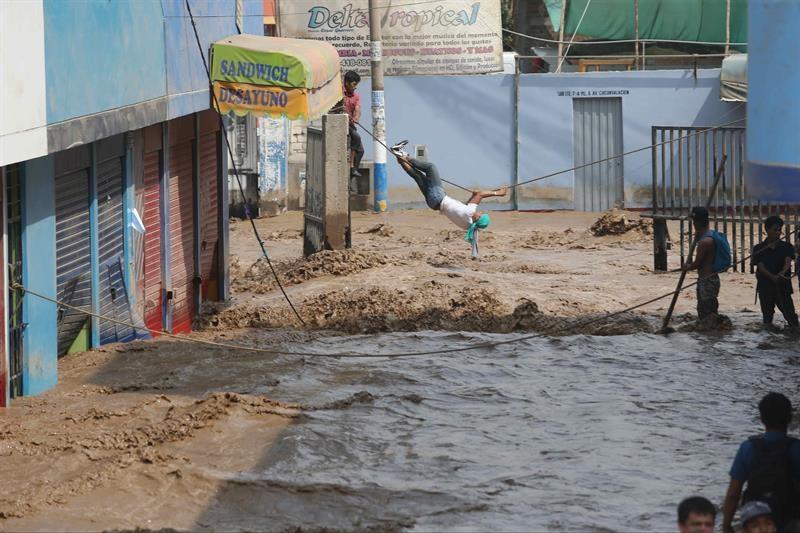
(708,282)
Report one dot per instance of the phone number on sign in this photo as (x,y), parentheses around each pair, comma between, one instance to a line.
(355,62)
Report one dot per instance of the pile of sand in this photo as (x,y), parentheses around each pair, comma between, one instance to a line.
(616,222)
(431,305)
(260,280)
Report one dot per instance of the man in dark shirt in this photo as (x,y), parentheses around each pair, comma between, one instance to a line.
(768,467)
(773,261)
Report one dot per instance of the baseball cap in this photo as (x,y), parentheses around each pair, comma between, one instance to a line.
(752,510)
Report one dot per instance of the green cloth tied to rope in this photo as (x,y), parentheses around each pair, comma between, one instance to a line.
(472,232)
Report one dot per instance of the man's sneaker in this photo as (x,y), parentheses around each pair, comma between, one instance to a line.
(397,149)
(355,173)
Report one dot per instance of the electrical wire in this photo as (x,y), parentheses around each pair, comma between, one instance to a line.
(620,41)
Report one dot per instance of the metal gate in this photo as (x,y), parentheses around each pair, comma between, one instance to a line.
(73,245)
(327,209)
(113,295)
(153,285)
(208,146)
(181,197)
(15,296)
(684,162)
(314,216)
(597,132)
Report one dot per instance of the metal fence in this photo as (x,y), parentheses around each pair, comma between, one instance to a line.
(314,216)
(684,162)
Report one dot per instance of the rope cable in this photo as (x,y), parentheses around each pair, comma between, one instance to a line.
(484,345)
(610,158)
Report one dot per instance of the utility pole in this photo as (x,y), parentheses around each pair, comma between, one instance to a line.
(380,186)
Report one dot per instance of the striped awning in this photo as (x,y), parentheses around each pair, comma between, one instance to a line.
(273,76)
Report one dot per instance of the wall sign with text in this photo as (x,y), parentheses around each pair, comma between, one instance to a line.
(595,92)
(419,38)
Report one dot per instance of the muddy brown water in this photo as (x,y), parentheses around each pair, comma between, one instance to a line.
(561,434)
(549,434)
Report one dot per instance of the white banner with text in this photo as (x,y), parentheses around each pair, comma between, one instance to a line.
(419,37)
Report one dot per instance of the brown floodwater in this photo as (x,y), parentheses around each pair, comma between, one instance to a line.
(574,433)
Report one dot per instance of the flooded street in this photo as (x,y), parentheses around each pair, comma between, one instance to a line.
(576,433)
(607,430)
(573,433)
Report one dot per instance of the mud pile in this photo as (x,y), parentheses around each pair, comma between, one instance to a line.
(94,444)
(428,306)
(616,222)
(260,280)
(550,239)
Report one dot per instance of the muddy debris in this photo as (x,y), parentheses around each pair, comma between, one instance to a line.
(550,239)
(286,234)
(616,222)
(710,324)
(259,278)
(432,305)
(383,230)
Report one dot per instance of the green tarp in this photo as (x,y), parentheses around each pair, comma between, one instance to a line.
(680,20)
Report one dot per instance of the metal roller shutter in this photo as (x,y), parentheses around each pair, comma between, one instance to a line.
(73,254)
(113,296)
(153,294)
(181,236)
(209,195)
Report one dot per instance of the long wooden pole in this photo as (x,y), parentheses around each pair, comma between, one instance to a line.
(682,278)
(727,27)
(636,31)
(561,33)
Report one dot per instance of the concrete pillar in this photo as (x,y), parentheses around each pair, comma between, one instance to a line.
(337,179)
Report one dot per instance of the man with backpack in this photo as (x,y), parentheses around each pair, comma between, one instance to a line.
(773,261)
(712,257)
(768,468)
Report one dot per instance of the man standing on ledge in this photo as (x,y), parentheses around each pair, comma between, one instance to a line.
(352,106)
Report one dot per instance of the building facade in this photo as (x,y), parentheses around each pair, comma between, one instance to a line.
(114,180)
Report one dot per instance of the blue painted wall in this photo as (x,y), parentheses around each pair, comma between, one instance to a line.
(40,343)
(102,55)
(663,98)
(187,83)
(773,142)
(467,124)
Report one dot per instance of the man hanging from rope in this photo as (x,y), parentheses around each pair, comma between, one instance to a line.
(465,216)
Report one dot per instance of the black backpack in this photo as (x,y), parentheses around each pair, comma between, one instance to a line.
(770,478)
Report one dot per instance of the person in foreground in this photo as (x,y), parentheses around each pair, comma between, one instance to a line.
(756,517)
(464,215)
(696,515)
(767,467)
